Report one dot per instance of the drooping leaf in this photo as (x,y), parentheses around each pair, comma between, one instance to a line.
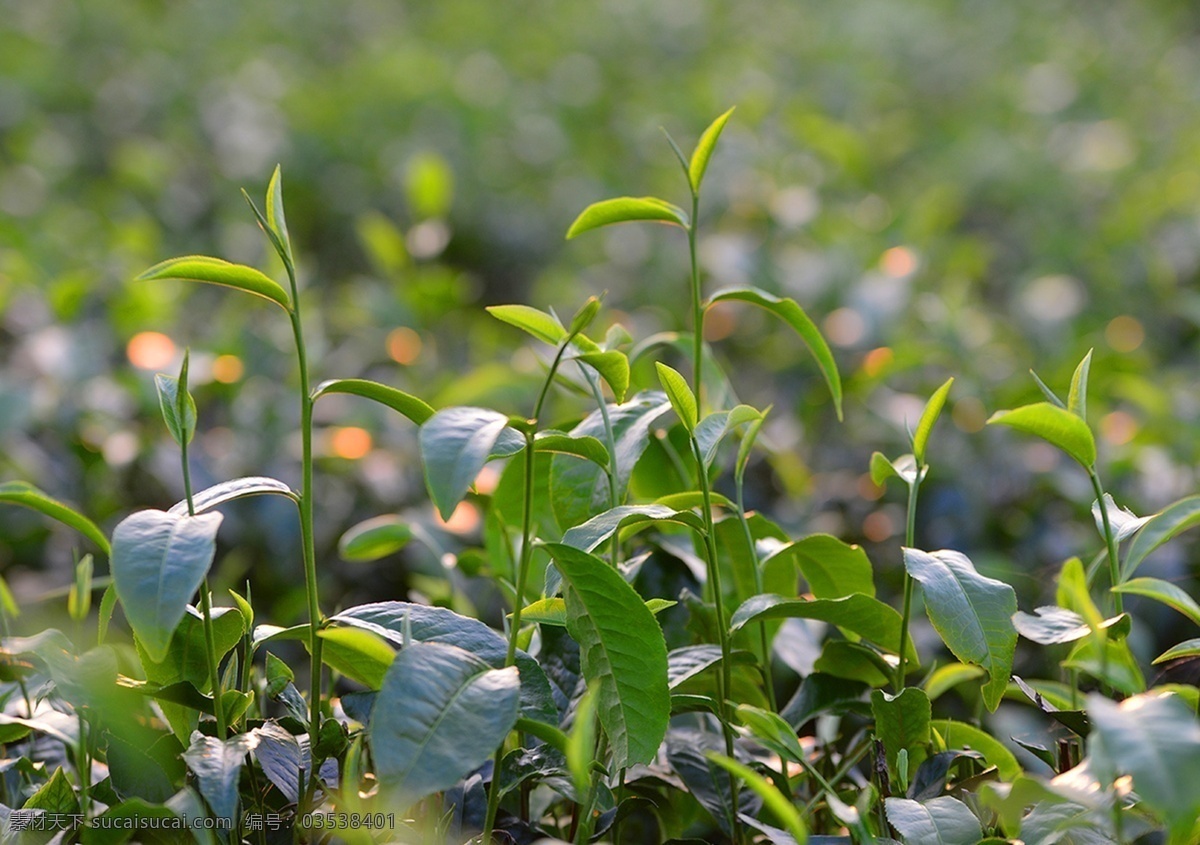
(773,799)
(284,758)
(586,447)
(455,445)
(410,406)
(217,765)
(708,783)
(1123,521)
(1110,661)
(545,327)
(792,314)
(704,150)
(1055,425)
(579,490)
(626,210)
(933,409)
(28,496)
(1077,398)
(1053,625)
(683,401)
(1155,740)
(832,567)
(904,467)
(1162,527)
(202,268)
(863,615)
(902,723)
(820,693)
(972,613)
(613,367)
(718,425)
(945,678)
(940,821)
(598,529)
(622,650)
(440,713)
(228,491)
(1164,592)
(374,538)
(159,560)
(960,735)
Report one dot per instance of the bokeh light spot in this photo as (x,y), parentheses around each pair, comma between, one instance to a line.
(719,322)
(877,361)
(878,527)
(350,442)
(486,481)
(969,415)
(1118,428)
(845,327)
(150,350)
(1124,333)
(898,262)
(227,369)
(403,345)
(464,520)
(867,488)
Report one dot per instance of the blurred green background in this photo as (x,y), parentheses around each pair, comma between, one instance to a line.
(949,188)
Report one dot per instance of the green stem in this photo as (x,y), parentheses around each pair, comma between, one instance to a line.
(725,677)
(910,532)
(610,443)
(1114,562)
(763,643)
(697,309)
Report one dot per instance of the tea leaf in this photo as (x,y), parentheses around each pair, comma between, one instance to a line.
(159,560)
(228,491)
(717,426)
(945,678)
(1123,521)
(284,761)
(626,210)
(933,408)
(792,314)
(943,820)
(584,316)
(169,400)
(708,783)
(545,327)
(613,367)
(863,615)
(1173,520)
(374,538)
(621,650)
(1054,425)
(596,530)
(440,713)
(202,268)
(773,799)
(704,150)
(1164,592)
(1187,648)
(1109,661)
(683,401)
(747,444)
(455,445)
(1077,397)
(832,567)
(28,496)
(586,447)
(276,221)
(357,653)
(972,613)
(961,735)
(79,600)
(1051,625)
(902,723)
(581,742)
(410,406)
(217,766)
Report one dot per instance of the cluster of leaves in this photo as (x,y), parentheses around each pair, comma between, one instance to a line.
(632,695)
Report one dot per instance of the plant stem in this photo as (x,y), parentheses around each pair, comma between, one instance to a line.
(697,309)
(910,532)
(764,645)
(610,443)
(1114,563)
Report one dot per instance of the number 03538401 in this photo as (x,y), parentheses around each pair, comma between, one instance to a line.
(347,821)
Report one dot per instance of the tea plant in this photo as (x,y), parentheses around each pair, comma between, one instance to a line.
(630,694)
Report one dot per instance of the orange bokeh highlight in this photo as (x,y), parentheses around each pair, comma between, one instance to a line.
(403,345)
(150,350)
(464,520)
(227,369)
(898,262)
(878,360)
(1124,333)
(350,442)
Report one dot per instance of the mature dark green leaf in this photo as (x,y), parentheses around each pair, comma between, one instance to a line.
(683,401)
(972,613)
(201,268)
(832,567)
(374,538)
(120,823)
(963,736)
(1164,526)
(1055,425)
(159,560)
(940,821)
(902,722)
(410,406)
(284,758)
(455,445)
(704,150)
(820,693)
(621,650)
(707,782)
(228,491)
(441,712)
(545,327)
(599,528)
(862,615)
(56,797)
(216,765)
(1187,648)
(933,409)
(626,210)
(792,314)
(775,801)
(28,496)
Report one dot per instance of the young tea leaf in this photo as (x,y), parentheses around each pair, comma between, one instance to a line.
(545,327)
(933,408)
(410,406)
(276,222)
(625,210)
(704,150)
(455,445)
(775,801)
(28,496)
(1168,524)
(170,401)
(374,538)
(1077,398)
(1055,425)
(613,367)
(584,316)
(1164,592)
(681,396)
(228,491)
(79,600)
(201,268)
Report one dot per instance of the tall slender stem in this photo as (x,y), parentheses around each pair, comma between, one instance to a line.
(1114,563)
(763,643)
(910,532)
(697,308)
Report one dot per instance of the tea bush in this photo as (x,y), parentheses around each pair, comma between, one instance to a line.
(670,666)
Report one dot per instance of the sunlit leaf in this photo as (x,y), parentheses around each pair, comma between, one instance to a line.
(1164,592)
(940,821)
(704,150)
(863,615)
(774,800)
(545,327)
(1055,425)
(455,445)
(28,496)
(1162,527)
(933,409)
(626,210)
(681,396)
(1077,398)
(201,268)
(228,491)
(410,406)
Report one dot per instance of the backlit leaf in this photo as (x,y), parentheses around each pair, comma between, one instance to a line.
(681,396)
(201,268)
(933,409)
(228,491)
(704,150)
(28,496)
(626,210)
(1054,425)
(410,406)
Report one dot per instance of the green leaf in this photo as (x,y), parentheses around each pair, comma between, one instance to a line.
(832,567)
(972,613)
(579,489)
(1165,592)
(1155,740)
(683,401)
(279,675)
(902,722)
(584,316)
(772,732)
(410,406)
(121,822)
(8,604)
(551,611)
(1072,593)
(622,650)
(1187,648)
(596,530)
(228,491)
(276,222)
(357,653)
(1123,521)
(940,821)
(821,693)
(201,268)
(1053,625)
(1162,527)
(904,467)
(775,801)
(581,742)
(747,444)
(441,712)
(685,663)
(169,400)
(374,538)
(28,496)
(217,765)
(545,327)
(1109,661)
(945,678)
(1056,426)
(717,426)
(57,799)
(159,560)
(455,445)
(626,210)
(933,409)
(792,314)
(863,615)
(586,447)
(79,599)
(704,150)
(708,783)
(1077,398)
(959,735)
(613,367)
